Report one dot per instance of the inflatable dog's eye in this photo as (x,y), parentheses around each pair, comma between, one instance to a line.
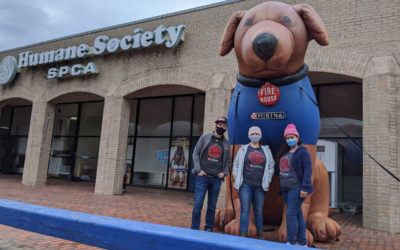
(249,21)
(286,20)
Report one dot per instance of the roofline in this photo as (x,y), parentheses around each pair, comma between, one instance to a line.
(176,13)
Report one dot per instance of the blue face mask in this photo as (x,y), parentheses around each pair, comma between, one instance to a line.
(254,138)
(291,142)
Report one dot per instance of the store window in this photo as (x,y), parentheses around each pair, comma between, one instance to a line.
(161,132)
(76,140)
(341,110)
(342,104)
(14,129)
(182,116)
(155,117)
(198,116)
(150,169)
(5,121)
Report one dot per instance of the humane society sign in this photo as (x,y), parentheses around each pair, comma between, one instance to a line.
(169,37)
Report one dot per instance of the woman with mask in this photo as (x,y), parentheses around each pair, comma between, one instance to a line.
(295,183)
(252,169)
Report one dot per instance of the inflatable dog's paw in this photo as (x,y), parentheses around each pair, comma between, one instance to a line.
(222,217)
(310,238)
(233,227)
(323,228)
(219,218)
(282,235)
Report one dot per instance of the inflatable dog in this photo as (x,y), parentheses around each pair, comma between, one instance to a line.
(273,90)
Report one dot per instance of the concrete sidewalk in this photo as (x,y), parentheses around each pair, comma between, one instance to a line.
(4,244)
(167,207)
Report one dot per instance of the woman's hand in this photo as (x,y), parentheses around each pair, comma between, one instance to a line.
(303,194)
(201,173)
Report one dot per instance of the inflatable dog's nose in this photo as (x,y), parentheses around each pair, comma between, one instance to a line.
(265,45)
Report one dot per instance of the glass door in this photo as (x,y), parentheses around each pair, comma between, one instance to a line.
(161,130)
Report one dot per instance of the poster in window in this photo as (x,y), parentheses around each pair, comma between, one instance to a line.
(178,163)
(160,155)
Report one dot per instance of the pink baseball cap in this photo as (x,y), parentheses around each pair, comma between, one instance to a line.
(290,130)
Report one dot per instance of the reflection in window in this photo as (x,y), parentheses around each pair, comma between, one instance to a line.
(5,118)
(21,121)
(14,129)
(198,116)
(129,149)
(182,116)
(343,104)
(155,117)
(18,153)
(88,147)
(76,139)
(91,118)
(62,146)
(85,169)
(61,166)
(148,149)
(65,119)
(350,175)
(151,161)
(132,119)
(129,158)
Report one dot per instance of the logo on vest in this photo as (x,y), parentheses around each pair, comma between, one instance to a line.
(268,94)
(268,116)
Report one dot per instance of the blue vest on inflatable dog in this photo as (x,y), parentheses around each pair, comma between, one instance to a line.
(295,103)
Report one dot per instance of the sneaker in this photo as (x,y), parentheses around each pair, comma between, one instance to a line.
(208,229)
(297,244)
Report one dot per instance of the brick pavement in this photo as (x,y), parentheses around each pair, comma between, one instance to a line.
(159,206)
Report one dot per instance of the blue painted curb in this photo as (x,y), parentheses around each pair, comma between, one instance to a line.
(114,233)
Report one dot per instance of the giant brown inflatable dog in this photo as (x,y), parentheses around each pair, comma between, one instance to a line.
(277,55)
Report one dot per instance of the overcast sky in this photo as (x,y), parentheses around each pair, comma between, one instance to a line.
(24,22)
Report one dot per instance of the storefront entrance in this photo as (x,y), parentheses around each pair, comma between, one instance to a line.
(14,129)
(162,132)
(341,103)
(76,139)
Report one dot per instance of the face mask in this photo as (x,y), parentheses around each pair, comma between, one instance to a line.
(291,142)
(254,138)
(220,130)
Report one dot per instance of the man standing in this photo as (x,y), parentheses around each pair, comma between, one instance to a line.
(211,160)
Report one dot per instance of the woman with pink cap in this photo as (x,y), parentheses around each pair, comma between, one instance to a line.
(295,183)
(253,169)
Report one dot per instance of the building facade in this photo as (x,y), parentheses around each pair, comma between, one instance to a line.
(132,106)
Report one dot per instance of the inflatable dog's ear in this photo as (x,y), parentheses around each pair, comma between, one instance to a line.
(229,33)
(314,23)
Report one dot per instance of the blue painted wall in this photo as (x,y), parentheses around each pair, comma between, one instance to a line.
(114,233)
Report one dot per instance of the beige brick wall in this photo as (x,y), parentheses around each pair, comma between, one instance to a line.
(381,120)
(364,43)
(112,151)
(39,142)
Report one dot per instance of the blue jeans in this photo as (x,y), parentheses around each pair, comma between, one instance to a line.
(204,184)
(295,224)
(249,195)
